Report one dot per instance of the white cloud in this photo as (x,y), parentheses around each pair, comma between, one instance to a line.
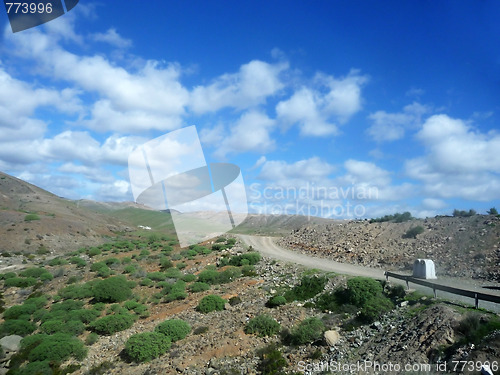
(459,161)
(251,133)
(315,111)
(433,203)
(254,82)
(112,37)
(392,126)
(307,170)
(150,97)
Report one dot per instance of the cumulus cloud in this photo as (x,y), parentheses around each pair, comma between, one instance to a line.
(317,110)
(149,97)
(112,37)
(312,170)
(254,82)
(251,133)
(392,126)
(459,162)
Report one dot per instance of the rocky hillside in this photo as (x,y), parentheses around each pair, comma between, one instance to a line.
(416,330)
(34,220)
(460,246)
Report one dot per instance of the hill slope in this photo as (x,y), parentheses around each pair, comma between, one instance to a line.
(32,219)
(460,246)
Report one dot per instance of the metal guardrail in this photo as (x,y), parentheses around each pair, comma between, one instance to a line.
(459,291)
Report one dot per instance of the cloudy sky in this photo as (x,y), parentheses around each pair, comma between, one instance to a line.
(330,108)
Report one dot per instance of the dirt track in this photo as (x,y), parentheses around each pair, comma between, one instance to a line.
(268,247)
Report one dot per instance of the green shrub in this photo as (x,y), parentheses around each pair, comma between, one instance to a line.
(176,329)
(413,232)
(272,361)
(33,272)
(473,328)
(188,278)
(147,282)
(327,302)
(72,327)
(173,273)
(199,287)
(92,338)
(166,263)
(228,275)
(114,289)
(47,276)
(58,262)
(143,347)
(129,269)
(17,311)
(181,265)
(211,303)
(359,290)
(67,305)
(112,323)
(262,325)
(309,287)
(276,301)
(492,211)
(251,258)
(208,277)
(463,213)
(84,315)
(156,276)
(92,252)
(19,327)
(31,217)
(58,347)
(20,282)
(374,308)
(79,262)
(308,331)
(9,275)
(76,291)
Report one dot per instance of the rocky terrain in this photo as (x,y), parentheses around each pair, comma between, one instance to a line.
(418,331)
(459,246)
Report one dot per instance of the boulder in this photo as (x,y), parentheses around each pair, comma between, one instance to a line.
(331,337)
(11,343)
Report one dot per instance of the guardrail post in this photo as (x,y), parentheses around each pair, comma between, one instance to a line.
(476,304)
(407,284)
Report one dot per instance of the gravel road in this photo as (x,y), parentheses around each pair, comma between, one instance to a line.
(268,247)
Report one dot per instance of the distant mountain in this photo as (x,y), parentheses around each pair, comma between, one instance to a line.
(33,219)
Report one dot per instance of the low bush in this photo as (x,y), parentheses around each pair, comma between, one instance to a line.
(58,347)
(211,303)
(176,329)
(143,347)
(309,287)
(114,289)
(271,361)
(262,325)
(209,277)
(188,278)
(19,327)
(72,327)
(198,287)
(276,301)
(112,323)
(92,338)
(31,217)
(308,331)
(413,232)
(20,282)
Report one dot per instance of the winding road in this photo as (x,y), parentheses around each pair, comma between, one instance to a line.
(268,247)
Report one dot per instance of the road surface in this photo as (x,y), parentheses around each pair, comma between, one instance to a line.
(268,247)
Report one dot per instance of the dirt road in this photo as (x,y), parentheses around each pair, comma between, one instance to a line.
(268,247)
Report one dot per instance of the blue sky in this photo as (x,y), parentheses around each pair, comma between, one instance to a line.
(332,108)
